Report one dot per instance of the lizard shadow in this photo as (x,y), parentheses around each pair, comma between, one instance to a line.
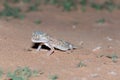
(35,46)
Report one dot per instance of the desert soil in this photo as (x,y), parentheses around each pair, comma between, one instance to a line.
(96,43)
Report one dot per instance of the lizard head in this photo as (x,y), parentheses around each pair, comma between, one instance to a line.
(39,36)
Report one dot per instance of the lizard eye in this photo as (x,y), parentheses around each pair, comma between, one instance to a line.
(35,36)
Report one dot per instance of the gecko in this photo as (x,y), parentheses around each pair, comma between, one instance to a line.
(51,42)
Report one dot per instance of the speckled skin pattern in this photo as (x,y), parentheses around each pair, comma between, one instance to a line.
(47,40)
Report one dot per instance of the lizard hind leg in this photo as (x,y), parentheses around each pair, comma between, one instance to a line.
(69,51)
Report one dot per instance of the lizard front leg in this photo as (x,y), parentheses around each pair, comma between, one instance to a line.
(39,47)
(51,49)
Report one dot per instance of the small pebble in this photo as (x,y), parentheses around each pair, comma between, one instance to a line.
(112,73)
(81,43)
(94,75)
(108,38)
(97,48)
(74,26)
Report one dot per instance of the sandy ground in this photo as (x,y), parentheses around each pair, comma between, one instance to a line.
(98,42)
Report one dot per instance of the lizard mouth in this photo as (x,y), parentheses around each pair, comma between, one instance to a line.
(38,41)
(35,41)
